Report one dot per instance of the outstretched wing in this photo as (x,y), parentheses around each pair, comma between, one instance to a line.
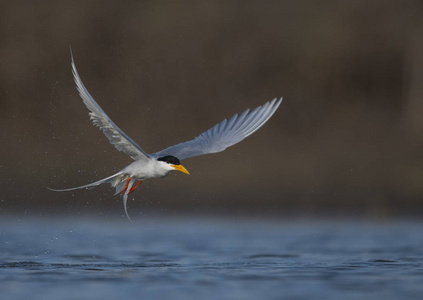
(224,134)
(117,137)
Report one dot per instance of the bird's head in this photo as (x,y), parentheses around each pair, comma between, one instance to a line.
(174,163)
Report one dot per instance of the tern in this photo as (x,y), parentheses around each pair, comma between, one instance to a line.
(160,164)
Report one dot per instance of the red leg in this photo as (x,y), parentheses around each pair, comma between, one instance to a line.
(133,189)
(126,186)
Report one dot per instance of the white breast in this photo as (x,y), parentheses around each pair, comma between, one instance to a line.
(142,170)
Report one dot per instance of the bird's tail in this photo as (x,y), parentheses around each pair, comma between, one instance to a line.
(121,181)
(117,181)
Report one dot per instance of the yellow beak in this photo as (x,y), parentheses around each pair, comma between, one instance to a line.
(180,168)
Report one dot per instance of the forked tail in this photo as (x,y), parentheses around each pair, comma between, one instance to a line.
(113,180)
(122,182)
(117,181)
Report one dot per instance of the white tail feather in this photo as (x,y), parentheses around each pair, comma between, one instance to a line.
(118,181)
(125,197)
(114,180)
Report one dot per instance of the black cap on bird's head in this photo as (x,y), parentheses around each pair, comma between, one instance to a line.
(174,162)
(170,160)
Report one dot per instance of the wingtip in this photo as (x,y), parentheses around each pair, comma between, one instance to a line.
(279,101)
(71,53)
(276,102)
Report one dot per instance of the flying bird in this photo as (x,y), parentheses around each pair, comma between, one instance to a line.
(159,164)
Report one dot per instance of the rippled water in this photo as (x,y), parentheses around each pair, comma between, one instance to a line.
(210,259)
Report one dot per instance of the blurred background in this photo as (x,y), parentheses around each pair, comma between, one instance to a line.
(346,141)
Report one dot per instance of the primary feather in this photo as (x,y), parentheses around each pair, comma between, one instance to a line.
(117,137)
(225,134)
(216,139)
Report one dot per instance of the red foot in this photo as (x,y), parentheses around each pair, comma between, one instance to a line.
(133,189)
(126,186)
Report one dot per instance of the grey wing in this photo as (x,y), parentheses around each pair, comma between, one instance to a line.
(99,118)
(224,134)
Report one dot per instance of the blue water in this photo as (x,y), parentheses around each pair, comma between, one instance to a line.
(210,259)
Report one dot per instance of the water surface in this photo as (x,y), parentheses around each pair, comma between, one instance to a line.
(210,259)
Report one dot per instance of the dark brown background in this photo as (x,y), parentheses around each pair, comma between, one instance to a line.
(346,140)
